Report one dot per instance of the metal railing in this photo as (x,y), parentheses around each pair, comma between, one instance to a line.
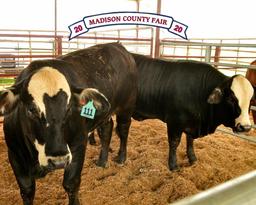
(24,46)
(231,56)
(238,191)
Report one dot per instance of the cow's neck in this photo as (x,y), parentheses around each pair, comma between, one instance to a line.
(208,113)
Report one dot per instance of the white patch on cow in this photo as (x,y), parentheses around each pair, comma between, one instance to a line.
(47,80)
(43,159)
(243,92)
(89,93)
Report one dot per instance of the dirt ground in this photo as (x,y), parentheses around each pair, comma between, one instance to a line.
(144,179)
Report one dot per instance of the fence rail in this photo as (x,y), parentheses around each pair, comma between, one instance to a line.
(22,46)
(236,54)
(239,191)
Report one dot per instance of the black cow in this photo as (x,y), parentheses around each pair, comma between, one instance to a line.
(191,97)
(42,125)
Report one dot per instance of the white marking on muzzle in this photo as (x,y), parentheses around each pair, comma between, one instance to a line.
(243,92)
(43,159)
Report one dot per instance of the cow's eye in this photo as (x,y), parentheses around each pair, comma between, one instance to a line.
(32,111)
(233,105)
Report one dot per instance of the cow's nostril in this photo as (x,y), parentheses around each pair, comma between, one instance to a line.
(59,162)
(242,128)
(247,128)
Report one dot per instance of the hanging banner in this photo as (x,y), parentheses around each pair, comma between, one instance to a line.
(128,18)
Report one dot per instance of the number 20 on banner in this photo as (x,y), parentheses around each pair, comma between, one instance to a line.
(178,29)
(77,29)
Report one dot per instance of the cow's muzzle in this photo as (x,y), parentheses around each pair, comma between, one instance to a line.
(242,128)
(59,162)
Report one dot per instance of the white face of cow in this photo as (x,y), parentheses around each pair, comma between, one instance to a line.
(47,80)
(243,92)
(50,82)
(46,105)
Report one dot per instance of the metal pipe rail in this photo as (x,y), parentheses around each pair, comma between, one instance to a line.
(24,45)
(80,37)
(66,32)
(236,55)
(191,56)
(214,39)
(230,65)
(238,191)
(189,43)
(253,107)
(242,136)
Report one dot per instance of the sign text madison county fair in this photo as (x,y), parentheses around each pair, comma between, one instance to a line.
(128,18)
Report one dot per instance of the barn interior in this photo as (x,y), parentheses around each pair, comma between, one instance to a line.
(144,178)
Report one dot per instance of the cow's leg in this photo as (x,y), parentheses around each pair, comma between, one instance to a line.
(190,150)
(26,183)
(174,137)
(91,138)
(122,130)
(72,174)
(105,133)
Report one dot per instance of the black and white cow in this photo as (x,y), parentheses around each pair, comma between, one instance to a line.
(42,124)
(190,97)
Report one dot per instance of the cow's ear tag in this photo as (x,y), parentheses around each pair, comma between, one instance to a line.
(88,110)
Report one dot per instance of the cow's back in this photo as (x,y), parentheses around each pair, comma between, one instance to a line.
(110,68)
(173,87)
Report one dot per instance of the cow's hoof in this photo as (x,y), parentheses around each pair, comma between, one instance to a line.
(119,160)
(192,160)
(28,202)
(74,201)
(174,168)
(101,164)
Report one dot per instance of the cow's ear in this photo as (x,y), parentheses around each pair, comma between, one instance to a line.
(8,100)
(216,96)
(100,102)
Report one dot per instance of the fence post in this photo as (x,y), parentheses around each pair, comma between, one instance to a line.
(30,46)
(217,55)
(58,46)
(157,36)
(152,42)
(208,50)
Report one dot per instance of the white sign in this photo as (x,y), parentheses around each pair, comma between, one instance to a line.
(128,18)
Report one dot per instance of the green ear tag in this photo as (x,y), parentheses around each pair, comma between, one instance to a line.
(88,110)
